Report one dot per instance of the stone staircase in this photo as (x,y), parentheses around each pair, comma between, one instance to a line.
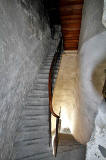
(32,140)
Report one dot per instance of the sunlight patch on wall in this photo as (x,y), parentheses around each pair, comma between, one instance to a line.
(65,96)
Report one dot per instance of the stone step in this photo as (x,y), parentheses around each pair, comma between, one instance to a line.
(34,117)
(34,141)
(41,156)
(35,107)
(30,150)
(43,75)
(47,62)
(35,112)
(32,129)
(38,95)
(37,101)
(31,123)
(44,71)
(47,57)
(43,81)
(29,136)
(42,88)
(28,117)
(45,67)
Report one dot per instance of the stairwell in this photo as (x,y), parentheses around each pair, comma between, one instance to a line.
(32,139)
(28,44)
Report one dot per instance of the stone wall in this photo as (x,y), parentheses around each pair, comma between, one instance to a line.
(91,24)
(25,40)
(92,61)
(104,14)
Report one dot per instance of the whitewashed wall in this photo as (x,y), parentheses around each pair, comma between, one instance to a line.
(92,55)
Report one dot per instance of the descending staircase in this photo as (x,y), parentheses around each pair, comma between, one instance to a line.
(32,140)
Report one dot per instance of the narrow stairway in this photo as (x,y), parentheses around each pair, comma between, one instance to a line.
(32,140)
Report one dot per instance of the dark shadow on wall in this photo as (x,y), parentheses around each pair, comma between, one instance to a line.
(98,77)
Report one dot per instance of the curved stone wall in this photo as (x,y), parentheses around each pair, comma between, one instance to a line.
(92,61)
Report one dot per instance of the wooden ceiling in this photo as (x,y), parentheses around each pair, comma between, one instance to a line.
(70,17)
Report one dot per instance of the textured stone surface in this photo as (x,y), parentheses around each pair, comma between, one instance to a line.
(92,54)
(102,150)
(24,41)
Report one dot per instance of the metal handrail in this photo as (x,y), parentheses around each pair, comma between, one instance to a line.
(50,89)
(50,79)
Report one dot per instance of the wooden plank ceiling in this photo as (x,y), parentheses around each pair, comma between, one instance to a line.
(70,16)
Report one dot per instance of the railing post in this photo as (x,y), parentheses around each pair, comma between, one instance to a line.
(56,136)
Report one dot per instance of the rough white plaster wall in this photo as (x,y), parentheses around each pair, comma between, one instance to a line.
(24,42)
(92,56)
(91,20)
(92,53)
(96,148)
